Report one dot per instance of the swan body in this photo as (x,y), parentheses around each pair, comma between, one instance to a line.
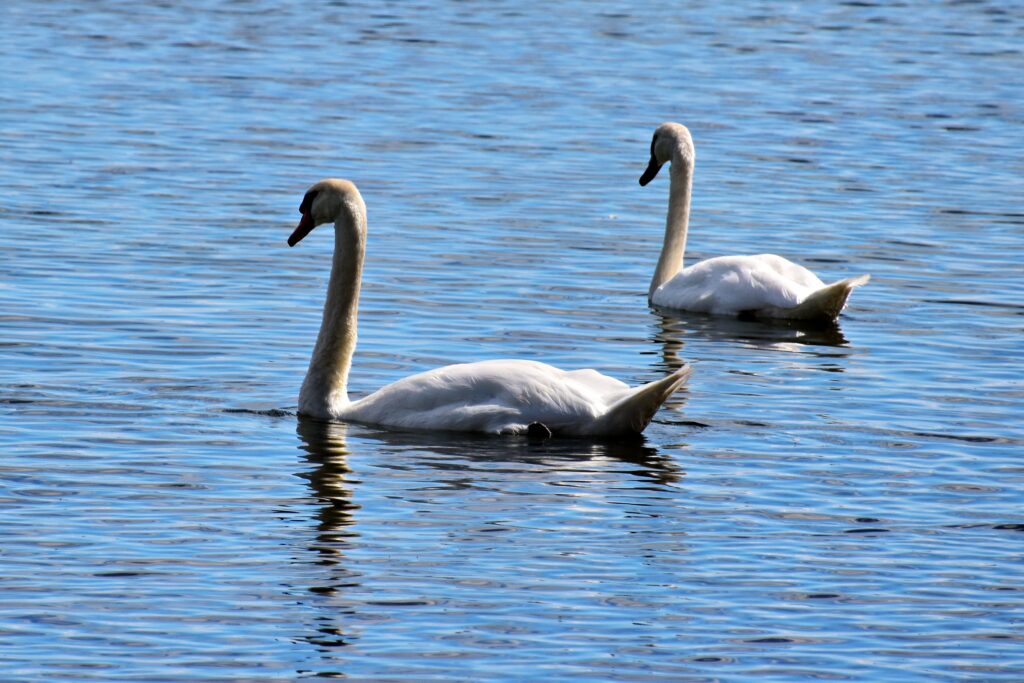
(764,285)
(499,397)
(496,396)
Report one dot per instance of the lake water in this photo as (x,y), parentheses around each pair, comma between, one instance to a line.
(838,504)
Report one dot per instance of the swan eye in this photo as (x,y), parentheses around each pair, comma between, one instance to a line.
(654,141)
(307,202)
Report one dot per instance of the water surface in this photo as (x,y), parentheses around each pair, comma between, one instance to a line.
(838,504)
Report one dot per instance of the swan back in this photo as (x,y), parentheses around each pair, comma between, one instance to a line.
(732,284)
(506,396)
(498,396)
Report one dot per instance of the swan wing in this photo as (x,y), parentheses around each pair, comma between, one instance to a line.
(499,396)
(734,284)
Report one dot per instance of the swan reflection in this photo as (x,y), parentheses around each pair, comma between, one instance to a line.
(330,481)
(466,451)
(782,335)
(444,469)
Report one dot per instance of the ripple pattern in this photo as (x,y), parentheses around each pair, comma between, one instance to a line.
(839,504)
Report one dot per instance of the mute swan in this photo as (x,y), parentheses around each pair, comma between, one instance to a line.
(497,396)
(765,286)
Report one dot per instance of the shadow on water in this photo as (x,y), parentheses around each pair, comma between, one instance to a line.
(676,325)
(558,452)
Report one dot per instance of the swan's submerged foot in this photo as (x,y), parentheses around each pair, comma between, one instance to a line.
(538,431)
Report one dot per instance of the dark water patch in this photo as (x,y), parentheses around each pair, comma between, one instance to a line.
(966,438)
(992,304)
(267,412)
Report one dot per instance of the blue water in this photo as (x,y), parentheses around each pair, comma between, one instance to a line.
(837,504)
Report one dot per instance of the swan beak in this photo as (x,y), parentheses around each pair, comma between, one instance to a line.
(301,230)
(652,170)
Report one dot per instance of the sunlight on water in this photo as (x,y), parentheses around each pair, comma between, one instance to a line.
(818,503)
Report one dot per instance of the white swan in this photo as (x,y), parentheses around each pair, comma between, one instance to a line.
(498,396)
(765,285)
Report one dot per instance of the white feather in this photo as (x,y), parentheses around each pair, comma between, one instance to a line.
(498,396)
(731,284)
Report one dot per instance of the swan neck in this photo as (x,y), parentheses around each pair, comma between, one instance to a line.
(677,222)
(325,389)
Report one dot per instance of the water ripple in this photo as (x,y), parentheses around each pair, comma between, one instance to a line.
(838,503)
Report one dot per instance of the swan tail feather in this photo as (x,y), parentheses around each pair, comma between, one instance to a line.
(632,413)
(824,304)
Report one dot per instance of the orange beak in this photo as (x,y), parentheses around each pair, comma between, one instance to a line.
(301,230)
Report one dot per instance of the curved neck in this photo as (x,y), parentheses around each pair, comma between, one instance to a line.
(325,388)
(671,260)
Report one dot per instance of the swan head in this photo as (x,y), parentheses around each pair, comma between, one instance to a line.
(671,142)
(325,202)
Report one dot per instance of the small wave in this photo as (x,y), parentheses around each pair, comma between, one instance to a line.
(268,412)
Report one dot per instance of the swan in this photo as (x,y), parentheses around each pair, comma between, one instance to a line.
(763,286)
(496,396)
